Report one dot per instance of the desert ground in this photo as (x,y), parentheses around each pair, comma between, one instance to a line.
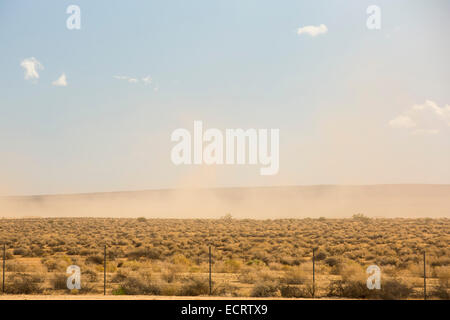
(161,258)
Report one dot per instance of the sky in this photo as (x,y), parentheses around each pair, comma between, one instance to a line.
(93,109)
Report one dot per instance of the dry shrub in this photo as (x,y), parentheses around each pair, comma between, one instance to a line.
(393,289)
(266,289)
(288,291)
(225,289)
(390,290)
(194,286)
(95,259)
(229,266)
(351,271)
(295,276)
(145,252)
(250,275)
(89,275)
(332,261)
(180,259)
(443,274)
(59,281)
(169,275)
(85,288)
(23,283)
(138,285)
(21,251)
(15,266)
(169,289)
(348,289)
(53,264)
(119,277)
(441,292)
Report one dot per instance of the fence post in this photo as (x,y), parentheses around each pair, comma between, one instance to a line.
(104,272)
(424,277)
(210,269)
(4,259)
(314,272)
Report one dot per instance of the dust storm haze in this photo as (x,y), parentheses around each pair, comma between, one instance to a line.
(257,203)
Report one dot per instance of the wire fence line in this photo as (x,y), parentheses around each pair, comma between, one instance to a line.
(118,276)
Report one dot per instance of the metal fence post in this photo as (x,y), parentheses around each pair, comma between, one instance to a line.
(210,270)
(4,264)
(424,277)
(104,272)
(314,272)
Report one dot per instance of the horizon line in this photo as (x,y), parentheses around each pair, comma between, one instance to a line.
(217,188)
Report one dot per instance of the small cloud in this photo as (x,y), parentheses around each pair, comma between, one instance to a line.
(61,81)
(313,30)
(31,67)
(426,118)
(402,122)
(442,113)
(147,80)
(127,78)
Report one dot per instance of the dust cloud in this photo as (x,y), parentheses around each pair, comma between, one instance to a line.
(329,201)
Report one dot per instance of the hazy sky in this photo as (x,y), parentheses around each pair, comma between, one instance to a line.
(93,109)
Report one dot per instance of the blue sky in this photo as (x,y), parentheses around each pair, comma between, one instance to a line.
(231,64)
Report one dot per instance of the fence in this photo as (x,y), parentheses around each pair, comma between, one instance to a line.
(109,274)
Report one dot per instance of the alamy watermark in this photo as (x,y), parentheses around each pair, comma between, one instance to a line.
(73,22)
(374,279)
(374,19)
(234,146)
(74,280)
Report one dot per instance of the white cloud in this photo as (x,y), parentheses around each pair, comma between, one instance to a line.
(31,67)
(147,80)
(61,81)
(402,122)
(426,118)
(313,30)
(127,78)
(430,106)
